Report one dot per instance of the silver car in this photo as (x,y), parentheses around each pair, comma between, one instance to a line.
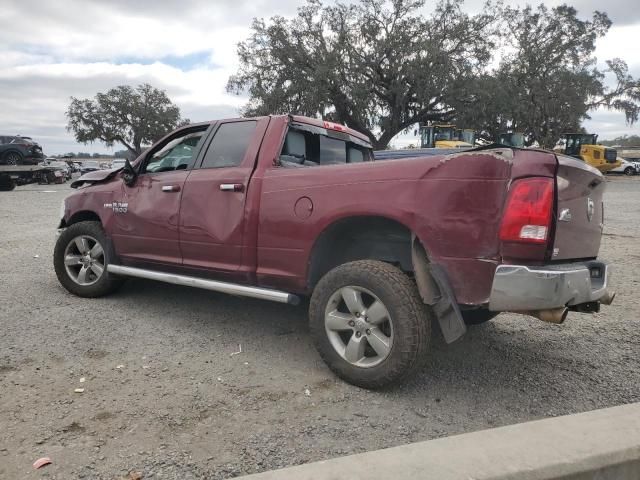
(627,167)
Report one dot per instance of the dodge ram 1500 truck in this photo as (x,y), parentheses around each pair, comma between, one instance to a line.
(284,207)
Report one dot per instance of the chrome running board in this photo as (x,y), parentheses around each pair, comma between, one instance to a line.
(213,285)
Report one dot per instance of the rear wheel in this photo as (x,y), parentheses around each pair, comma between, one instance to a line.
(12,158)
(369,324)
(81,258)
(629,171)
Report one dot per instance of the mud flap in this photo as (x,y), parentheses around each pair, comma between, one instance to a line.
(436,291)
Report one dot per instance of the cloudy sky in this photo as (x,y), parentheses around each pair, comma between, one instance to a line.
(50,51)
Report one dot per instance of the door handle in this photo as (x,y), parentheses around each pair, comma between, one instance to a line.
(171,188)
(232,187)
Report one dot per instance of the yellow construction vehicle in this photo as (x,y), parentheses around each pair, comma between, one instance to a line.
(445,136)
(585,147)
(512,139)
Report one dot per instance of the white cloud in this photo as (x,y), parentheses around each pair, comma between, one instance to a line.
(86,46)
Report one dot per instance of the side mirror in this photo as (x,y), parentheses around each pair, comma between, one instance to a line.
(129,174)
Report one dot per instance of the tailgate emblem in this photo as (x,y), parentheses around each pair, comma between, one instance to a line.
(565,215)
(590,208)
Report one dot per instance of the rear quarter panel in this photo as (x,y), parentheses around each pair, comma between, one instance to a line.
(453,204)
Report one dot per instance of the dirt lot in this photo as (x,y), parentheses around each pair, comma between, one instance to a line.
(164,396)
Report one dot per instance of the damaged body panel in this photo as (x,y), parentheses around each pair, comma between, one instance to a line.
(94,177)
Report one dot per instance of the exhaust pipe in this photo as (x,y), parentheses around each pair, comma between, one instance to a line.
(554,315)
(608,297)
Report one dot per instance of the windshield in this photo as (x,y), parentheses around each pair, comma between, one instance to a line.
(444,133)
(468,136)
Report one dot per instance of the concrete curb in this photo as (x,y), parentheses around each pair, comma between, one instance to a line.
(602,444)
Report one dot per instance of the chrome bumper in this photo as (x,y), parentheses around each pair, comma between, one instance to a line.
(518,288)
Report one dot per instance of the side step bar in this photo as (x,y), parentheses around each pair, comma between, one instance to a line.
(224,287)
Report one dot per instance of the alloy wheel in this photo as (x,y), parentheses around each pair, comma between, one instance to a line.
(84,260)
(12,158)
(359,326)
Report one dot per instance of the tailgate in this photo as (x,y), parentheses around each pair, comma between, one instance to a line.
(580,213)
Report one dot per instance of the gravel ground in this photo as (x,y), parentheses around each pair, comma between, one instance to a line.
(163,396)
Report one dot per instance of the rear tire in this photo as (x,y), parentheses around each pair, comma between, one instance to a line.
(12,158)
(81,257)
(381,336)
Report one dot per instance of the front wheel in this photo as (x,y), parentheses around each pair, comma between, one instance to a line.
(369,324)
(629,171)
(80,259)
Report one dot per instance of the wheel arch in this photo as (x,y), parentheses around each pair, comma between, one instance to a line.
(81,216)
(360,237)
(372,237)
(12,150)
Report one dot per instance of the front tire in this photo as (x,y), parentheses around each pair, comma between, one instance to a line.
(630,171)
(80,259)
(369,324)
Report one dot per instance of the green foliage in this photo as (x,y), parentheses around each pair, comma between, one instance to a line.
(133,117)
(548,82)
(377,65)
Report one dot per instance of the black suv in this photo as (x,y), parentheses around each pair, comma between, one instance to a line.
(17,150)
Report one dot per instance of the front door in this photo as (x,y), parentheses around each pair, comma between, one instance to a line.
(212,212)
(146,230)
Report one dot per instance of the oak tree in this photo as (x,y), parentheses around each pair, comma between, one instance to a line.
(132,117)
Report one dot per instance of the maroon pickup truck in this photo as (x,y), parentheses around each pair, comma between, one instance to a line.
(284,207)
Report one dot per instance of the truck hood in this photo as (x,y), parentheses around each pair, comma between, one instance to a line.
(95,177)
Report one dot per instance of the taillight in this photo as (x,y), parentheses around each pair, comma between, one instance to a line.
(527,214)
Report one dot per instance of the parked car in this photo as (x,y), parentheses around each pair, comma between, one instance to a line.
(118,163)
(283,207)
(17,150)
(55,164)
(89,166)
(73,166)
(54,171)
(628,167)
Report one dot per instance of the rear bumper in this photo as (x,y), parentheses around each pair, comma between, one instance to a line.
(519,288)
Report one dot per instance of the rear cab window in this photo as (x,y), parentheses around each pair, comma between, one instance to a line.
(311,146)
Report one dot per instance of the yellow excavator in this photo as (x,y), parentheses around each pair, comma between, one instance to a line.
(512,139)
(446,136)
(585,147)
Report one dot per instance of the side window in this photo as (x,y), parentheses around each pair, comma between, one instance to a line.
(175,155)
(309,149)
(229,145)
(332,151)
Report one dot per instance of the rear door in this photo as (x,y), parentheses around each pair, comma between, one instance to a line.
(580,213)
(212,212)
(146,215)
